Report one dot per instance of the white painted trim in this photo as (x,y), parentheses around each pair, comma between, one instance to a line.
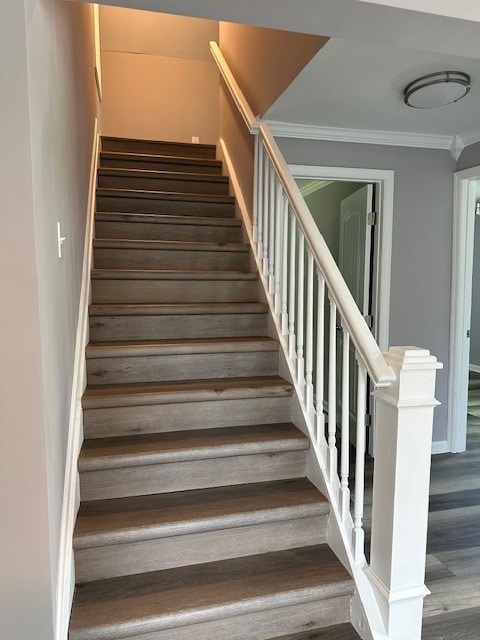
(240,198)
(462,264)
(363,136)
(470,137)
(385,183)
(474,367)
(440,446)
(65,575)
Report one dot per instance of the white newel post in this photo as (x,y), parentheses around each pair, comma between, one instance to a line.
(403,444)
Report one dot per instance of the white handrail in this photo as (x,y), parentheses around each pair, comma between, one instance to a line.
(379,371)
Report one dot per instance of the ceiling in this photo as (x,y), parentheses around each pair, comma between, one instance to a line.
(359,85)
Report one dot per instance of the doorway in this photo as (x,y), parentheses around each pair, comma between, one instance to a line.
(464,326)
(353,210)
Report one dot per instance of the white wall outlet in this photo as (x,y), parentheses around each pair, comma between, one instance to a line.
(60,240)
(195,140)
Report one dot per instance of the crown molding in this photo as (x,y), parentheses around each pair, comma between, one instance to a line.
(470,137)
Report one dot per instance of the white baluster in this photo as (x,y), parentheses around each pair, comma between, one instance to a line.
(345,444)
(309,336)
(257,187)
(320,360)
(332,396)
(291,289)
(300,309)
(266,213)
(262,198)
(272,256)
(278,244)
(285,268)
(358,532)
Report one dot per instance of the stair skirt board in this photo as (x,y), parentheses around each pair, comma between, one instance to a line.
(196,517)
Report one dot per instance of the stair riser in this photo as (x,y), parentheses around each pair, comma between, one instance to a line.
(159,205)
(217,187)
(173,291)
(193,474)
(182,416)
(159,165)
(261,625)
(169,259)
(190,366)
(97,563)
(162,231)
(177,326)
(127,145)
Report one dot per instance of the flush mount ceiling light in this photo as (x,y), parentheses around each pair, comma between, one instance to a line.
(437,89)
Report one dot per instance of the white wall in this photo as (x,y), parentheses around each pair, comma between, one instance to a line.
(48,107)
(422,241)
(475,317)
(159,80)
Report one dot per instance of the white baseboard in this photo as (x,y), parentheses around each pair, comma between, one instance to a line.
(440,446)
(66,574)
(474,367)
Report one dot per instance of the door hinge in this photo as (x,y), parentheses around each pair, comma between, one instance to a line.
(368,420)
(468,333)
(372,218)
(369,321)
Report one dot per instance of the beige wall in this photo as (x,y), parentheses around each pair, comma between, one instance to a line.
(159,80)
(265,61)
(46,137)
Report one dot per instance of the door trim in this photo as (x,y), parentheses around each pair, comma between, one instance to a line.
(461,305)
(384,181)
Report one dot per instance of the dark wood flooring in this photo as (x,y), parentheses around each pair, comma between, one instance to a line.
(452,611)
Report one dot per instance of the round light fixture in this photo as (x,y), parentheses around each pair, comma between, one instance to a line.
(437,89)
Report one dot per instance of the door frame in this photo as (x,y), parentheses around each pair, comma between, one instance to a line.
(461,306)
(381,277)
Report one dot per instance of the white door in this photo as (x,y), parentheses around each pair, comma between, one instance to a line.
(355,266)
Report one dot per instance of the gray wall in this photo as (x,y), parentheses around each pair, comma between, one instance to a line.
(470,157)
(422,241)
(48,104)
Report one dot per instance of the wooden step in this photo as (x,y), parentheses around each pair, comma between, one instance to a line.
(158,162)
(343,631)
(155,147)
(164,202)
(183,460)
(138,226)
(144,286)
(110,178)
(169,254)
(110,322)
(250,598)
(150,361)
(117,410)
(125,536)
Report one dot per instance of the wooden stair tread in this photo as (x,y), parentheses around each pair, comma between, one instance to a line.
(155,174)
(165,195)
(194,148)
(205,308)
(168,245)
(343,631)
(170,274)
(118,395)
(165,218)
(120,520)
(167,599)
(179,446)
(180,346)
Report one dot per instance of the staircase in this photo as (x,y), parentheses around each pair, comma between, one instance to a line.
(196,518)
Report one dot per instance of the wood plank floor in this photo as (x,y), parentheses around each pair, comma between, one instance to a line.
(452,611)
